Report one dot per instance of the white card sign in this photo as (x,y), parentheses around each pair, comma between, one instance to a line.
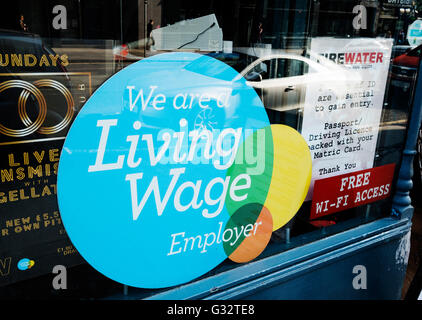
(342,111)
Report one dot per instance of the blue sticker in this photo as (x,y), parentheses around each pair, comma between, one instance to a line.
(25,264)
(142,176)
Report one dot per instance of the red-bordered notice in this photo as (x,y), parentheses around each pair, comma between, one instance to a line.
(351,190)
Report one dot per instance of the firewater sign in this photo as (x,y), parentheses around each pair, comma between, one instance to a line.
(414,33)
(172,167)
(343,109)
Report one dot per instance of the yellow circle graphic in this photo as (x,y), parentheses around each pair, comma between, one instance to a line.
(291,174)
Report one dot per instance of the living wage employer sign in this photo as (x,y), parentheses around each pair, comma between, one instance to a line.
(342,111)
(172,167)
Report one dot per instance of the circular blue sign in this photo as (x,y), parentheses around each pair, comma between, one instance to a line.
(142,176)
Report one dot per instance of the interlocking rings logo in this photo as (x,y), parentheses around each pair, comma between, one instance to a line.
(33,88)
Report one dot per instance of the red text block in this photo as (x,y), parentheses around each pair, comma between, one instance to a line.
(351,190)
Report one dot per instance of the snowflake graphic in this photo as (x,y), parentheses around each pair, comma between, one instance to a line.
(204,120)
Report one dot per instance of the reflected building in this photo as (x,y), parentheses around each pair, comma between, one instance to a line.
(281,23)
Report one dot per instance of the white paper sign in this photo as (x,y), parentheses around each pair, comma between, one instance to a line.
(342,111)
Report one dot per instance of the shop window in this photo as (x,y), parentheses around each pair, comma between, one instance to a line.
(340,88)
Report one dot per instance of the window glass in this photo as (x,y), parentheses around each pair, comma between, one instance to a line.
(290,68)
(340,73)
